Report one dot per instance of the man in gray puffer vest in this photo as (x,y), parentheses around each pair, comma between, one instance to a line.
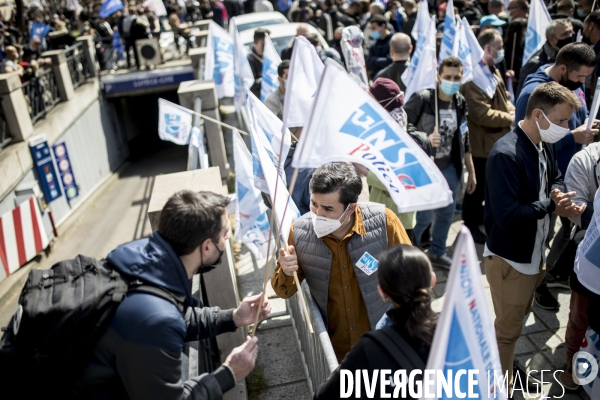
(331,248)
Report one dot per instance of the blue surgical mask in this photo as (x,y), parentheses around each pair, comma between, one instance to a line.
(449,88)
(499,57)
(581,13)
(375,35)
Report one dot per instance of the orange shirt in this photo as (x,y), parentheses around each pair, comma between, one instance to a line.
(347,314)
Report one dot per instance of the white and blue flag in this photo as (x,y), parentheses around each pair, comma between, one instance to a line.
(242,71)
(462,50)
(422,70)
(271,61)
(538,21)
(110,7)
(304,75)
(218,64)
(174,122)
(465,338)
(266,139)
(251,221)
(424,75)
(422,22)
(449,35)
(361,131)
(39,30)
(269,128)
(482,76)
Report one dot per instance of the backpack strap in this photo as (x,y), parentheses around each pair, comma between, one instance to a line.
(141,287)
(397,347)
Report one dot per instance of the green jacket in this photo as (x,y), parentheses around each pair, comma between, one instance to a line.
(380,195)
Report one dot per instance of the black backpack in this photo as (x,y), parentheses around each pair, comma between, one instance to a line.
(62,312)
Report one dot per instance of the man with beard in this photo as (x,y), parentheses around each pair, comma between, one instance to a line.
(574,63)
(139,354)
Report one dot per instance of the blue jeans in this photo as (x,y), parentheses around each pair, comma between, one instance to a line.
(443,217)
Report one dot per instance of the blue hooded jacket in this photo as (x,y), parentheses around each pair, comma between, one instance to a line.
(566,147)
(139,355)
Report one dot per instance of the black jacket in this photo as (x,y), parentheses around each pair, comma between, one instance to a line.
(512,187)
(546,55)
(394,71)
(369,355)
(139,355)
(420,112)
(256,64)
(379,55)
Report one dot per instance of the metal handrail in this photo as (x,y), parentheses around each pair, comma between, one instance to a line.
(316,350)
(41,93)
(78,64)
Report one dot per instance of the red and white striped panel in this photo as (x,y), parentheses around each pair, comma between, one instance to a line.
(22,236)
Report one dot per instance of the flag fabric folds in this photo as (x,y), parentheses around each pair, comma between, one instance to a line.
(449,35)
(422,23)
(243,77)
(465,337)
(39,30)
(421,73)
(538,21)
(218,64)
(362,131)
(174,122)
(462,50)
(110,7)
(271,61)
(482,76)
(265,144)
(268,128)
(306,69)
(197,157)
(251,220)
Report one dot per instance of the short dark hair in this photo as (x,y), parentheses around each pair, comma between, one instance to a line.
(593,18)
(378,19)
(575,56)
(337,176)
(189,218)
(285,64)
(450,62)
(522,4)
(487,37)
(260,34)
(548,95)
(565,5)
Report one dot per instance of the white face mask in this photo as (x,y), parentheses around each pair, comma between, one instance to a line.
(324,226)
(554,132)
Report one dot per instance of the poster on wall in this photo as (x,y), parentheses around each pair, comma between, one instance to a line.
(61,155)
(44,165)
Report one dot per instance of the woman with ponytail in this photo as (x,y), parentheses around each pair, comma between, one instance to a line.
(405,281)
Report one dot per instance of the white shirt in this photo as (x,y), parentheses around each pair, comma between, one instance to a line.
(543,225)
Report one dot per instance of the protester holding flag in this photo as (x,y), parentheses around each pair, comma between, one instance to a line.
(452,148)
(400,51)
(379,52)
(325,246)
(518,204)
(256,61)
(276,100)
(558,34)
(490,118)
(405,281)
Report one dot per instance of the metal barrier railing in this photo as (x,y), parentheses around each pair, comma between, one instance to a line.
(77,63)
(316,350)
(41,94)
